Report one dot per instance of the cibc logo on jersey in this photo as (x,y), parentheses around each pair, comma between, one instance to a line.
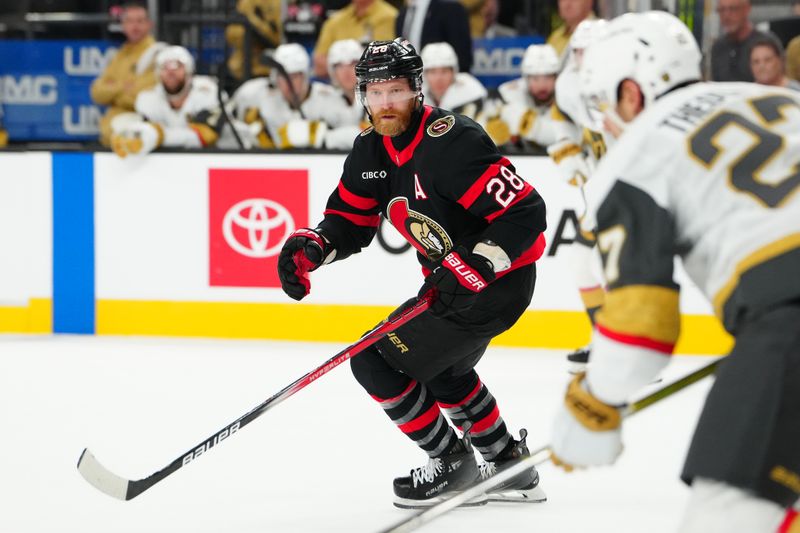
(251,212)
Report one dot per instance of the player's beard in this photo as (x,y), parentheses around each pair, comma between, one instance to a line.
(542,100)
(395,126)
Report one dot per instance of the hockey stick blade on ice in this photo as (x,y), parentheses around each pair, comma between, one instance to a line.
(126,489)
(539,456)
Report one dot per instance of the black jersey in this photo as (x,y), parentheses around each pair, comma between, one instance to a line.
(441,184)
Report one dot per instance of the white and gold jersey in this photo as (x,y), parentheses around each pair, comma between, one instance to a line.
(466,96)
(710,172)
(177,124)
(324,107)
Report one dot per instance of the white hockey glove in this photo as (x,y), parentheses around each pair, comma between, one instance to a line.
(136,138)
(587,432)
(300,133)
(573,167)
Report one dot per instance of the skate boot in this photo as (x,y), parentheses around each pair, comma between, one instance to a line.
(522,488)
(578,359)
(439,479)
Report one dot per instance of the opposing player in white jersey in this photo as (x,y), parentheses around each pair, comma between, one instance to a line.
(181,111)
(342,58)
(445,86)
(576,152)
(525,115)
(709,172)
(294,112)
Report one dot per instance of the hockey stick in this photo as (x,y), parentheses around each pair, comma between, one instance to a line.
(540,456)
(126,489)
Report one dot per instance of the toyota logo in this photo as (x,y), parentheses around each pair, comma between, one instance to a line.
(258,216)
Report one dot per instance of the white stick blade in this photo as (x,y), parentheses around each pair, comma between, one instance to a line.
(101,478)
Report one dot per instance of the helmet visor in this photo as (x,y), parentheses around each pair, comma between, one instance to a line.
(376,95)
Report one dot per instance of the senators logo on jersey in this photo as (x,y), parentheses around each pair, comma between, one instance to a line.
(424,234)
(441,126)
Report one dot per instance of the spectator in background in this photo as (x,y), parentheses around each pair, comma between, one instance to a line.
(130,71)
(264,24)
(793,49)
(437,21)
(181,111)
(3,132)
(294,112)
(572,12)
(342,58)
(767,64)
(525,116)
(730,53)
(492,28)
(444,86)
(477,25)
(362,20)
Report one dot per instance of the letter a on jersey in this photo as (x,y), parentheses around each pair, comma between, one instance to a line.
(418,192)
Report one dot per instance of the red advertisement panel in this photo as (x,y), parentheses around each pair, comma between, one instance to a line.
(251,212)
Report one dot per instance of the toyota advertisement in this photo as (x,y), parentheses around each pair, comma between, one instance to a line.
(251,213)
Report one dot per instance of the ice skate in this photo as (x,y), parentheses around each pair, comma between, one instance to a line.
(439,479)
(522,488)
(578,360)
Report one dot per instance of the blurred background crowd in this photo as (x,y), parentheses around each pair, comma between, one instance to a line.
(136,76)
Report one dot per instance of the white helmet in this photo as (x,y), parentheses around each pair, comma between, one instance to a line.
(177,54)
(343,51)
(586,32)
(540,59)
(437,55)
(654,49)
(293,57)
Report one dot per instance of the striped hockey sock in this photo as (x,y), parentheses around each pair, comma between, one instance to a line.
(417,414)
(489,433)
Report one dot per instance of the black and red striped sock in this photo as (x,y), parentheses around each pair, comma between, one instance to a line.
(417,414)
(489,433)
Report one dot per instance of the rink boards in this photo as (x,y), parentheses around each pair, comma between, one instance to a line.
(186,244)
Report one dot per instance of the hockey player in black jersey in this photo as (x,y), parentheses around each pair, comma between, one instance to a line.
(477,228)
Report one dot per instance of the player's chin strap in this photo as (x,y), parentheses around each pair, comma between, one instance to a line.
(540,456)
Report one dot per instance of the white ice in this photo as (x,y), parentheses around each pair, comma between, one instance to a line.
(321,461)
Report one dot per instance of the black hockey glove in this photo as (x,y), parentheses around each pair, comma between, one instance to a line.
(303,252)
(457,282)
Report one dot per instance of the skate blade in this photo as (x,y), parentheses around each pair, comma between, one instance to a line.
(405,503)
(534,495)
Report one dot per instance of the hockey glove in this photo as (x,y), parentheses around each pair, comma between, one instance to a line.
(304,251)
(587,432)
(457,282)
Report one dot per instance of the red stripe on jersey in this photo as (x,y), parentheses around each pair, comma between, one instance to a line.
(526,190)
(403,156)
(358,220)
(486,422)
(470,396)
(634,340)
(359,202)
(421,421)
(405,392)
(792,519)
(531,255)
(477,188)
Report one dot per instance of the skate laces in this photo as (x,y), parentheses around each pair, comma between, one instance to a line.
(487,470)
(423,474)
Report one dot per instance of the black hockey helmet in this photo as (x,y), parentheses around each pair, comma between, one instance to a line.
(388,60)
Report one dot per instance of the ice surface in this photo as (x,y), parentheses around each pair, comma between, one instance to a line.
(321,461)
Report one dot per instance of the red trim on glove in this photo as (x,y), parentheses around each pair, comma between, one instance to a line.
(466,275)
